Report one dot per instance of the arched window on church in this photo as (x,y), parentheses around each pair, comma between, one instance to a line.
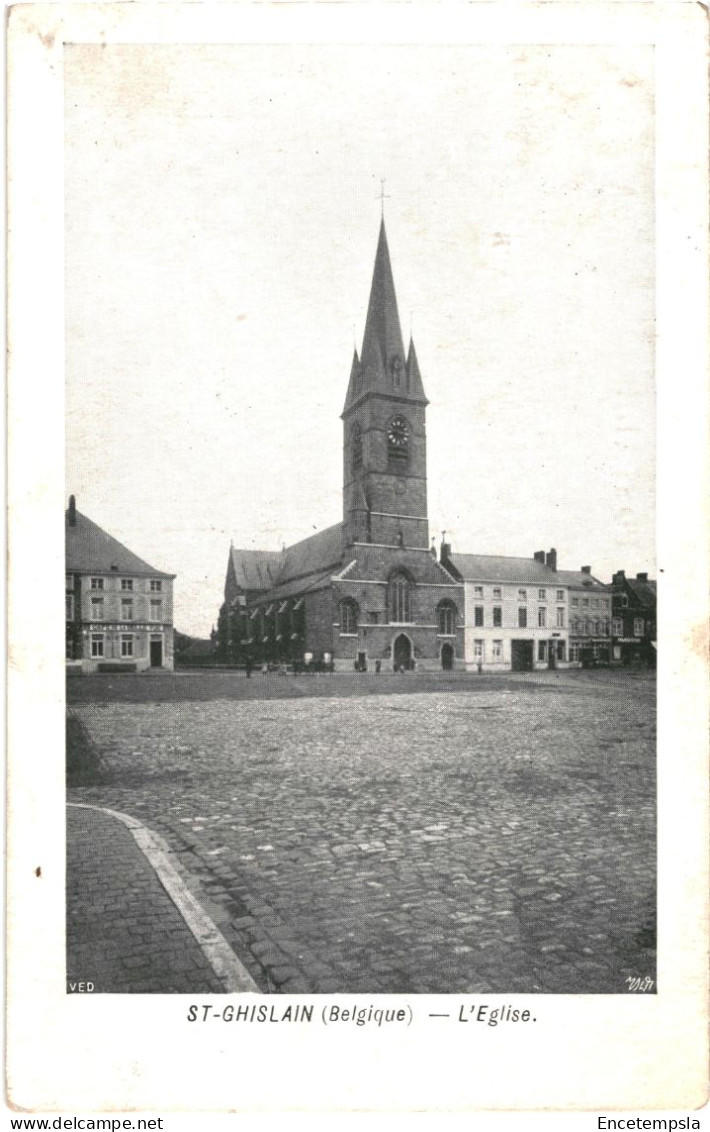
(446,612)
(348,617)
(399,597)
(356,446)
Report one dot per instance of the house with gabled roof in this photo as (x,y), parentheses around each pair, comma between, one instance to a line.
(119,609)
(515,610)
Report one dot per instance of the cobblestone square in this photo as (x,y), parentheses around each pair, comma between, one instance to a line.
(490,835)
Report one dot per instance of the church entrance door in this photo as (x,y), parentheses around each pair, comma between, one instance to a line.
(447,658)
(402,652)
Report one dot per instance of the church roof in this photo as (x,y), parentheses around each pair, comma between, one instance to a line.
(89,549)
(307,583)
(318,552)
(295,569)
(497,568)
(255,569)
(382,366)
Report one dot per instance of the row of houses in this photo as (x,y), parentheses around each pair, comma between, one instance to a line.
(499,613)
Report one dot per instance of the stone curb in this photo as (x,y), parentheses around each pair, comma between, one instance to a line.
(220,956)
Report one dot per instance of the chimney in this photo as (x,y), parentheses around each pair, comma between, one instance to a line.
(586,569)
(642,577)
(445,552)
(618,578)
(539,556)
(552,559)
(72,511)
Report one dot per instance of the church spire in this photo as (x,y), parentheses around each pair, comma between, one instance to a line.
(382,346)
(354,383)
(382,367)
(414,378)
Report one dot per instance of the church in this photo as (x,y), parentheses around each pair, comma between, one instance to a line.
(369,592)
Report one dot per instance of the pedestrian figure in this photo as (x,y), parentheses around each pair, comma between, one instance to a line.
(378,667)
(248,667)
(264,669)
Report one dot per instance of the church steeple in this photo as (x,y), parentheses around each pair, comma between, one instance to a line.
(384,430)
(382,367)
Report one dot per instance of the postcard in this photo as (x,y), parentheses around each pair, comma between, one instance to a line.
(358,394)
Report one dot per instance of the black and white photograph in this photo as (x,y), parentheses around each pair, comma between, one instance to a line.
(362,480)
(400,748)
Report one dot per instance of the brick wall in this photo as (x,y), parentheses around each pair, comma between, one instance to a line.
(320,616)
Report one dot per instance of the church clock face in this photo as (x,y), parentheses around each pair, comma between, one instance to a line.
(398,433)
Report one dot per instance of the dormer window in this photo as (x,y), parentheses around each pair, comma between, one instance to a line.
(396,367)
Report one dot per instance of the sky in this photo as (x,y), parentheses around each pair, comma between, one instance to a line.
(222,211)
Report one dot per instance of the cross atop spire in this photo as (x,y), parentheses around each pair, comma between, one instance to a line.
(383,196)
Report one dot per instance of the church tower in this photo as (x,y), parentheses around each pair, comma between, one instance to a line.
(384,433)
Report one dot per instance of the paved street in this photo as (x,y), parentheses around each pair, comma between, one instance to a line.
(471,835)
(111,942)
